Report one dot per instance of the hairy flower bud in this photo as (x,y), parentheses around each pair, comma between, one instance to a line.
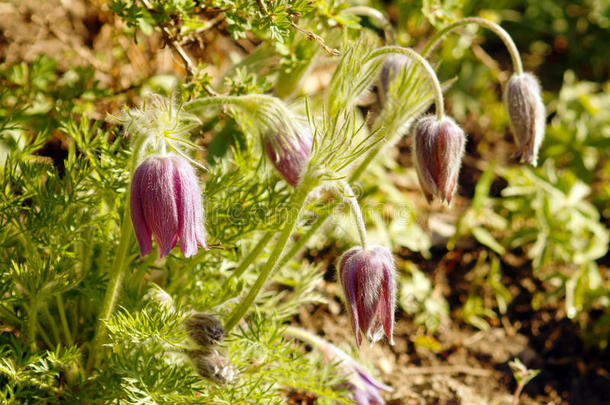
(368,281)
(439,147)
(289,153)
(212,365)
(166,202)
(204,329)
(526,115)
(391,67)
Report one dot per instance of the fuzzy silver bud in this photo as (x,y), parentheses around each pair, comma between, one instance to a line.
(212,365)
(204,329)
(526,114)
(439,148)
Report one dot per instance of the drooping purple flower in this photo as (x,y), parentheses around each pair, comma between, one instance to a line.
(368,281)
(526,115)
(439,147)
(289,153)
(166,202)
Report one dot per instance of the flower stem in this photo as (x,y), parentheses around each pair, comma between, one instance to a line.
(321,220)
(63,319)
(32,322)
(249,259)
(350,197)
(495,28)
(52,324)
(327,348)
(388,29)
(114,285)
(425,65)
(303,239)
(298,201)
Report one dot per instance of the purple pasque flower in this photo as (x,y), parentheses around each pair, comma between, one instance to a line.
(166,202)
(363,388)
(392,65)
(526,114)
(289,153)
(439,147)
(368,280)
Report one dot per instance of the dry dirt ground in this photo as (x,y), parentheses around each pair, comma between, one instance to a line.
(467,366)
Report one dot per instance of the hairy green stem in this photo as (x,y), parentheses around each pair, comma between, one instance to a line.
(388,29)
(45,337)
(321,220)
(63,319)
(495,28)
(247,100)
(32,322)
(114,286)
(351,199)
(298,201)
(425,65)
(52,324)
(250,258)
(305,336)
(303,239)
(319,343)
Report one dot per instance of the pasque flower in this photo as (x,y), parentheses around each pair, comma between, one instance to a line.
(368,281)
(289,153)
(526,115)
(439,147)
(204,329)
(166,202)
(211,364)
(362,387)
(392,65)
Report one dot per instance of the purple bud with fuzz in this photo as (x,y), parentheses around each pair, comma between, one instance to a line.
(212,365)
(439,148)
(526,114)
(368,281)
(392,65)
(204,329)
(166,202)
(289,153)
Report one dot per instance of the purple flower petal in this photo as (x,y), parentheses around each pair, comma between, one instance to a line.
(143,234)
(166,202)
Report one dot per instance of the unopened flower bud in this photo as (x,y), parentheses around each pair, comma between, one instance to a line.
(439,147)
(166,202)
(526,115)
(161,298)
(212,365)
(368,281)
(392,65)
(289,153)
(204,329)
